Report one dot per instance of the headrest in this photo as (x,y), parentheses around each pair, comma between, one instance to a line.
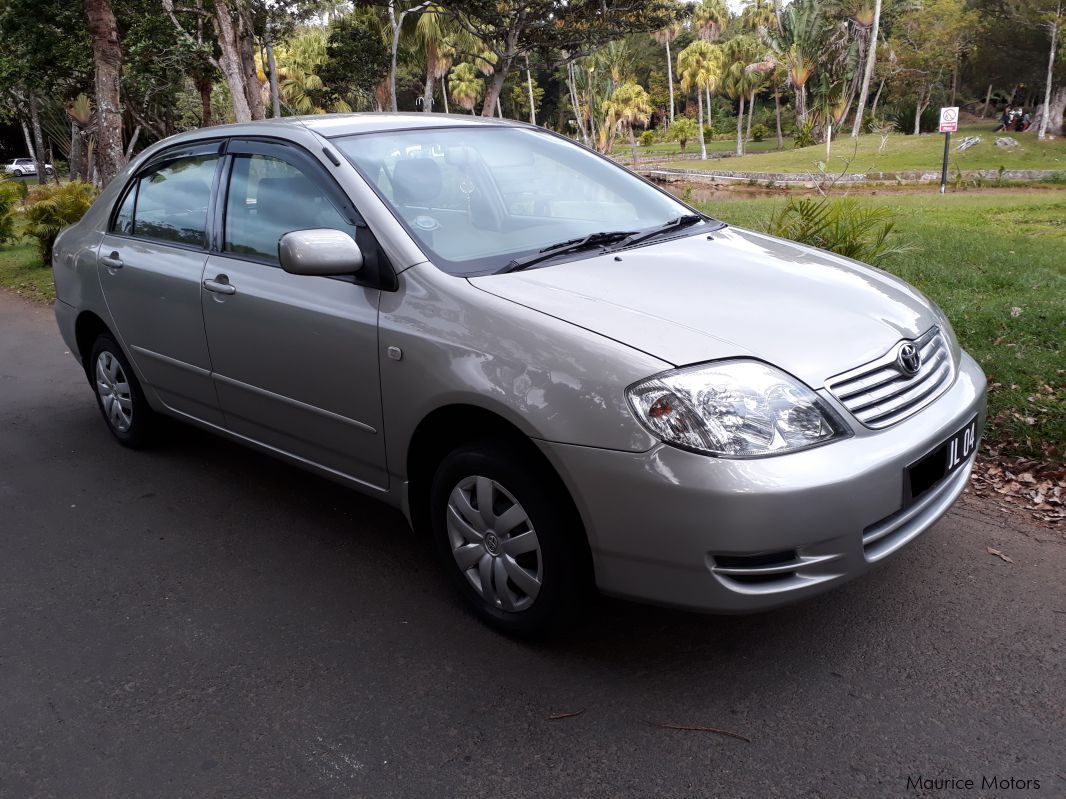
(416,181)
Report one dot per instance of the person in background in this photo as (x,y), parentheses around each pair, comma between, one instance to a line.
(1004,120)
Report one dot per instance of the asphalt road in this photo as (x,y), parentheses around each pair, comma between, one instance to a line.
(203,621)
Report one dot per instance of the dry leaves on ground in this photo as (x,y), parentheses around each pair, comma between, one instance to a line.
(1037,487)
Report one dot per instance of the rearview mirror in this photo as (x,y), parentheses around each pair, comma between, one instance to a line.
(321,251)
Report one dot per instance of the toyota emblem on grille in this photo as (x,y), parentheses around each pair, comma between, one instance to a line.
(909,359)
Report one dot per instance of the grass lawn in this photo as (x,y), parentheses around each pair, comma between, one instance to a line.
(903,153)
(692,147)
(995,263)
(22,273)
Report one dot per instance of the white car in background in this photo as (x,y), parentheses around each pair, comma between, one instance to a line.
(25,166)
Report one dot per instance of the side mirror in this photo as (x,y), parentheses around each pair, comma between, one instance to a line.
(321,251)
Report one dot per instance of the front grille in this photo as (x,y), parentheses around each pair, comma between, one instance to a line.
(879,393)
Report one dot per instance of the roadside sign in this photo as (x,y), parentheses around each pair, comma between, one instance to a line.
(949,119)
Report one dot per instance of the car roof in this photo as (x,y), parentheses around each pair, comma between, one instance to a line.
(330,125)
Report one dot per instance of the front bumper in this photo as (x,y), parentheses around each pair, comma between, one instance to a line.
(735,536)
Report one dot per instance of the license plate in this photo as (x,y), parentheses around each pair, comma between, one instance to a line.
(942,461)
(961,446)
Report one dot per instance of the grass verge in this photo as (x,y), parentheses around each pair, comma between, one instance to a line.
(994,262)
(902,153)
(22,273)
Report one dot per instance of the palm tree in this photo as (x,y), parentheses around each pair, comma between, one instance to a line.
(465,85)
(440,37)
(871,59)
(758,16)
(798,45)
(665,37)
(709,19)
(700,68)
(742,79)
(628,107)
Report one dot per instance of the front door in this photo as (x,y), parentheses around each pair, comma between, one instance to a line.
(151,264)
(295,358)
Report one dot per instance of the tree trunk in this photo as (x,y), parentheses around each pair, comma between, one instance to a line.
(988,99)
(74,168)
(708,91)
(871,59)
(579,117)
(740,128)
(427,92)
(395,46)
(444,94)
(670,79)
(246,49)
(801,104)
(777,117)
(272,65)
(229,61)
(1054,25)
(29,141)
(499,75)
(107,59)
(204,86)
(633,145)
(529,85)
(38,140)
(703,144)
(877,98)
(132,143)
(751,113)
(1052,121)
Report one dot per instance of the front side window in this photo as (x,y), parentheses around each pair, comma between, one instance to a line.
(474,198)
(171,201)
(269,197)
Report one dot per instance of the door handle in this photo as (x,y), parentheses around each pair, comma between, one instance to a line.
(220,285)
(111,261)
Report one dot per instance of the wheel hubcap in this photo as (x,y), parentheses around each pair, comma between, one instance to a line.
(494,543)
(114,391)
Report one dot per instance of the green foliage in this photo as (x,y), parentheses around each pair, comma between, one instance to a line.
(708,132)
(682,129)
(841,226)
(804,136)
(759,132)
(52,208)
(11,193)
(647,138)
(356,58)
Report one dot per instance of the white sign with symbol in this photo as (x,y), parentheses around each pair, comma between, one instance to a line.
(949,119)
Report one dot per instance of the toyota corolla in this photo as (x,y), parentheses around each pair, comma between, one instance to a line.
(561,373)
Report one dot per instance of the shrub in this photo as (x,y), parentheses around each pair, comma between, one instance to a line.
(11,193)
(759,132)
(841,226)
(682,129)
(708,132)
(647,138)
(52,208)
(804,136)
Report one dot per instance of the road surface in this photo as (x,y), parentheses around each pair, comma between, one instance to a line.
(204,621)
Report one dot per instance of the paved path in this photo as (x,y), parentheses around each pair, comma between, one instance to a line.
(203,621)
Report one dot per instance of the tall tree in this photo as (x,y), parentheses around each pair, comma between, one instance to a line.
(700,67)
(512,28)
(666,36)
(107,59)
(868,70)
(626,108)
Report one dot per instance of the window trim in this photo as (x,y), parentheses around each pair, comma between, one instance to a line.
(194,149)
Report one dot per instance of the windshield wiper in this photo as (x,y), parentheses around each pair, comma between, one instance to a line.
(571,245)
(683,221)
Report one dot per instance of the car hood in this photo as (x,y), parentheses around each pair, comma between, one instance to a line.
(728,294)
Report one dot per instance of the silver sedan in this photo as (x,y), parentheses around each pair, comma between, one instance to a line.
(561,374)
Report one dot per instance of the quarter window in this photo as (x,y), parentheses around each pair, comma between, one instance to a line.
(268,198)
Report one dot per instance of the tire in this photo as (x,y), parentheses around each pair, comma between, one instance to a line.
(119,396)
(17,173)
(526,580)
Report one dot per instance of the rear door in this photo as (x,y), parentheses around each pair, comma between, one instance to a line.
(295,357)
(151,264)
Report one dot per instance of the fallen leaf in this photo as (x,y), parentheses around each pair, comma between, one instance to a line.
(999,555)
(697,728)
(557,716)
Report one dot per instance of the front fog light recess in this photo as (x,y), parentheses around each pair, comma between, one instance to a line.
(737,408)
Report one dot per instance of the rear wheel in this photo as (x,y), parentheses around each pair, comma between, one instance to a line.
(508,537)
(119,396)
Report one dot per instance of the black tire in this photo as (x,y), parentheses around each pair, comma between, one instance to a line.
(143,422)
(17,173)
(561,555)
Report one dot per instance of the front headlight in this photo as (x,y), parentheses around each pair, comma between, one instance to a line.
(737,409)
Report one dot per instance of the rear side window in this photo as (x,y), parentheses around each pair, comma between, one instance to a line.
(169,203)
(269,197)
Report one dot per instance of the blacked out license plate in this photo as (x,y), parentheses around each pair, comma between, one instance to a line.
(942,461)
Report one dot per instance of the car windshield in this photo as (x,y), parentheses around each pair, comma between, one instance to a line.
(476,199)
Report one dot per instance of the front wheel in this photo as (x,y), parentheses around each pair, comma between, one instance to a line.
(508,537)
(17,173)
(119,396)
